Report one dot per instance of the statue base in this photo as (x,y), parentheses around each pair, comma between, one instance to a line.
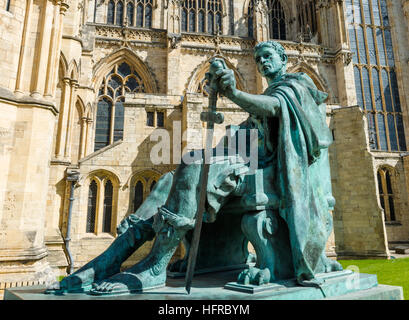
(343,285)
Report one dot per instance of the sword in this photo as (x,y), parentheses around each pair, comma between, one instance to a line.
(211,117)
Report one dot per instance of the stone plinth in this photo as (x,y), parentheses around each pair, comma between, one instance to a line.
(343,285)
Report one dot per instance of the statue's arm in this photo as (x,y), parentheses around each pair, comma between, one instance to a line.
(260,105)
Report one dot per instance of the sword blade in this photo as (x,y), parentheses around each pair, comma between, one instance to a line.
(201,205)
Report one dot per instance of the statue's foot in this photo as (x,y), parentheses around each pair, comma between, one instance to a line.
(254,276)
(333,265)
(132,280)
(83,278)
(315,283)
(75,283)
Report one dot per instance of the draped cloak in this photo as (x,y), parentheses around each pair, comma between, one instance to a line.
(301,138)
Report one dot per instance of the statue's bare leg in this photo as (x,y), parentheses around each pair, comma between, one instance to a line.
(172,222)
(170,227)
(133,232)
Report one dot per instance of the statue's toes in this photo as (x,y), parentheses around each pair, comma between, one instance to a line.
(55,287)
(336,266)
(244,277)
(262,277)
(108,287)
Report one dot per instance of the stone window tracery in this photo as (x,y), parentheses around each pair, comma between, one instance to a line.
(250,19)
(307,20)
(204,16)
(107,213)
(276,20)
(386,194)
(143,185)
(134,13)
(100,205)
(92,206)
(110,111)
(375,75)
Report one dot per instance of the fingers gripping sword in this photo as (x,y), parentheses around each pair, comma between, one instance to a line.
(211,117)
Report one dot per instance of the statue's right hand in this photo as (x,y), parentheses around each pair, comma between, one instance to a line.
(227,82)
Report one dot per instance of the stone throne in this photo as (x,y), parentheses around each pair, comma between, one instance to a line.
(253,218)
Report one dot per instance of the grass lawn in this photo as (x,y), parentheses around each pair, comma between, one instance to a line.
(394,272)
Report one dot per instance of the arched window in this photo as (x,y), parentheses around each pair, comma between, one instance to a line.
(100,212)
(137,13)
(111,12)
(8,5)
(110,111)
(203,16)
(107,214)
(250,19)
(142,186)
(375,75)
(119,13)
(138,195)
(307,20)
(92,206)
(386,195)
(276,20)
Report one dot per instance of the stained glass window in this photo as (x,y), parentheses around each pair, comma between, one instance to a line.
(110,111)
(138,195)
(250,19)
(111,12)
(137,12)
(307,21)
(130,13)
(160,119)
(276,20)
(201,16)
(119,13)
(150,119)
(145,183)
(107,214)
(374,66)
(155,118)
(386,194)
(92,207)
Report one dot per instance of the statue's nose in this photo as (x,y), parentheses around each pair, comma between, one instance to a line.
(262,61)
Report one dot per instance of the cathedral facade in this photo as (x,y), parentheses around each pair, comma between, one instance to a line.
(87,85)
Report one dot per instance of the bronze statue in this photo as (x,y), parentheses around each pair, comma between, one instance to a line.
(283,208)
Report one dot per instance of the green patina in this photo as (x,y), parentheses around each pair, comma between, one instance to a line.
(283,208)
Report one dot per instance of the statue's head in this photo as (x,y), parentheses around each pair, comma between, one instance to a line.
(271,59)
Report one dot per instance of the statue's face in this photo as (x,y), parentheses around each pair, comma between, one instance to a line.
(269,62)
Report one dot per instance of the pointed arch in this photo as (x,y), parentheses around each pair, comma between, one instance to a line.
(196,81)
(146,173)
(105,65)
(73,70)
(316,78)
(80,106)
(88,111)
(118,74)
(103,185)
(388,198)
(141,184)
(63,67)
(103,173)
